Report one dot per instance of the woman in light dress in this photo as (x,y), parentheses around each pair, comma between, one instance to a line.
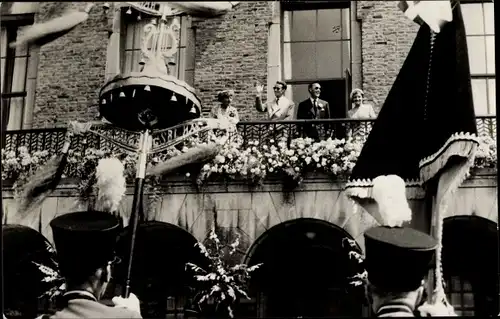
(360,111)
(225,111)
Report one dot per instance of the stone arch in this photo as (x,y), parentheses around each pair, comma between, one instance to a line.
(253,213)
(306,261)
(159,265)
(470,264)
(480,201)
(255,245)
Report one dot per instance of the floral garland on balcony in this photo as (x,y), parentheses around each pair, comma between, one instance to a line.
(253,162)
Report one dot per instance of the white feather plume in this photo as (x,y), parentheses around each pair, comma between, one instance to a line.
(389,192)
(110,184)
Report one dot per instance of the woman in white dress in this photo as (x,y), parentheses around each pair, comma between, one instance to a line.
(360,111)
(225,111)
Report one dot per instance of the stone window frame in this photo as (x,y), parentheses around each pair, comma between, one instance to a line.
(274,60)
(185,64)
(489,77)
(12,67)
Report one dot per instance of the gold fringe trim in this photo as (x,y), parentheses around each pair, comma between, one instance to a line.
(440,208)
(363,189)
(459,144)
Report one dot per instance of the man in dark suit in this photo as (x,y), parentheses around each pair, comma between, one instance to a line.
(313,108)
(85,244)
(397,260)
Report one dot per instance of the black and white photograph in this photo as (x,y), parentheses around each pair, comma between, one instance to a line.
(249,159)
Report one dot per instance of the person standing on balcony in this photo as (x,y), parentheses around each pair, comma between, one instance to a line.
(360,111)
(313,108)
(280,108)
(225,111)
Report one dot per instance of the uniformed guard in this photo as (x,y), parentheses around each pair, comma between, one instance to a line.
(23,250)
(85,243)
(398,260)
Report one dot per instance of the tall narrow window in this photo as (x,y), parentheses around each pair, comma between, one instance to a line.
(480,30)
(183,59)
(18,74)
(316,40)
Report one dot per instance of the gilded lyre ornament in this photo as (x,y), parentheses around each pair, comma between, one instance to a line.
(160,41)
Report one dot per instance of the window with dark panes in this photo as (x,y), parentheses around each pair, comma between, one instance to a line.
(18,74)
(480,30)
(461,295)
(132,42)
(316,47)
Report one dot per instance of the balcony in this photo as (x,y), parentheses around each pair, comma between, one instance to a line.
(52,139)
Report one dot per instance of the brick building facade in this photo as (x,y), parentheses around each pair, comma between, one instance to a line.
(251,43)
(231,51)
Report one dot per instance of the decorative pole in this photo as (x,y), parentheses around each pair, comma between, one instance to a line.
(136,203)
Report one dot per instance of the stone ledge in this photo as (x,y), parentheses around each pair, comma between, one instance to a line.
(175,184)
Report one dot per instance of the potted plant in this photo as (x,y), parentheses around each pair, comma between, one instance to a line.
(219,285)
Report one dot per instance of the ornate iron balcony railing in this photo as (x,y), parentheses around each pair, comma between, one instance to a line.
(52,139)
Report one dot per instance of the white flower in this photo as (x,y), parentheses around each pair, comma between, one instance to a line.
(220,159)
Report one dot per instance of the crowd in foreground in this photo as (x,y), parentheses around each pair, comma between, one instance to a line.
(397,261)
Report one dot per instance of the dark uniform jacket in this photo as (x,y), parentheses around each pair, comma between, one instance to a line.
(83,306)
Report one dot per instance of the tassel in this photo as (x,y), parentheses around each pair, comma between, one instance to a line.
(43,33)
(390,194)
(46,178)
(199,154)
(44,182)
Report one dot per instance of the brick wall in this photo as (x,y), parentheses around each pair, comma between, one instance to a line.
(387,36)
(71,68)
(231,52)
